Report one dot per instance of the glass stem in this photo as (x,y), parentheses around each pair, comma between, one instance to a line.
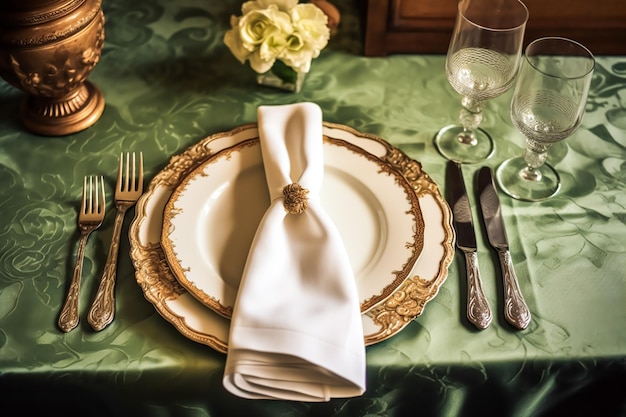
(470,117)
(535,156)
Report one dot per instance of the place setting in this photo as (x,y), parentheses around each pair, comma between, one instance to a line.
(270,241)
(291,244)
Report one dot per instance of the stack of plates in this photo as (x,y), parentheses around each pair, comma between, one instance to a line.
(195,223)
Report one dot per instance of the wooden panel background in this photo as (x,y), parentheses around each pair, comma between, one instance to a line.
(425,26)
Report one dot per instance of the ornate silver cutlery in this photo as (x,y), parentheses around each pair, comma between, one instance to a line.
(478,310)
(90,218)
(515,309)
(127,191)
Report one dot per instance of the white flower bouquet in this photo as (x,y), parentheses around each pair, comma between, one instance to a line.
(271,31)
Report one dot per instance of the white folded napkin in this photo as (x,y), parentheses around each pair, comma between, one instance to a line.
(296,330)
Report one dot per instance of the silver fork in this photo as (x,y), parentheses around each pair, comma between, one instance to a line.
(127,191)
(90,218)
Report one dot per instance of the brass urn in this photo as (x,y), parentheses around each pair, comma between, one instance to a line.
(47,49)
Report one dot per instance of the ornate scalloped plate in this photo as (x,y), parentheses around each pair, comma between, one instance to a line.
(197,322)
(211,218)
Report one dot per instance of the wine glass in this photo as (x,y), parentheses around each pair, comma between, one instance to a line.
(481,64)
(548,106)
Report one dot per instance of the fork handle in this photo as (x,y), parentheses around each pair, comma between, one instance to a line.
(68,319)
(102,309)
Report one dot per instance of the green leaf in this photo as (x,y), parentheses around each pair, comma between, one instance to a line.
(284,72)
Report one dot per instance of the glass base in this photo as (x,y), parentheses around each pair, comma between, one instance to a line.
(282,77)
(455,146)
(513,180)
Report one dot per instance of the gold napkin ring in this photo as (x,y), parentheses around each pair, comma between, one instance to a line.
(296,198)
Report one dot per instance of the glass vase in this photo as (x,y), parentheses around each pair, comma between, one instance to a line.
(283,77)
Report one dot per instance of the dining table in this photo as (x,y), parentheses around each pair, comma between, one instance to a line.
(169,82)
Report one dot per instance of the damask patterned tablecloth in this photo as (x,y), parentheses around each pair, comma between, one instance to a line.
(169,82)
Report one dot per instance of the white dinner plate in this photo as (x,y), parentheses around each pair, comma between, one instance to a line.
(194,320)
(212,216)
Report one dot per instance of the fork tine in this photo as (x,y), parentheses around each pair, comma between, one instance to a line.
(102,206)
(120,171)
(130,184)
(140,187)
(92,194)
(137,178)
(86,196)
(128,178)
(133,182)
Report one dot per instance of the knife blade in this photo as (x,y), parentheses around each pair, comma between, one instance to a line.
(478,310)
(516,311)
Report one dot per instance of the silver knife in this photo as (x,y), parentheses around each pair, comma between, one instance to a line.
(515,309)
(478,310)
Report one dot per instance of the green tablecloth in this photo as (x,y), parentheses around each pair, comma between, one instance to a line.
(169,81)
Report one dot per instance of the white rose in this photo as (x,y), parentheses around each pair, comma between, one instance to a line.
(262,60)
(296,54)
(259,36)
(311,23)
(258,25)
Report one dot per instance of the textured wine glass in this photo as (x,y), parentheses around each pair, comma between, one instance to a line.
(481,64)
(548,106)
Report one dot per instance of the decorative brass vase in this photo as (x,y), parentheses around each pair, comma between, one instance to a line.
(47,49)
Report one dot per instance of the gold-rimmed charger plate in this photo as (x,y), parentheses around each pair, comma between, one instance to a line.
(201,324)
(212,215)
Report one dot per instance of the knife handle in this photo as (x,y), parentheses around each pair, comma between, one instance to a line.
(516,311)
(478,310)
